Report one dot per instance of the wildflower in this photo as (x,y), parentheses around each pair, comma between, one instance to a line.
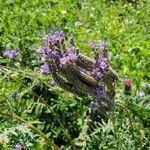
(97,73)
(53,39)
(55,55)
(19,147)
(100,91)
(48,53)
(56,38)
(12,54)
(70,56)
(94,106)
(140,93)
(44,52)
(72,53)
(45,69)
(64,60)
(58,58)
(101,63)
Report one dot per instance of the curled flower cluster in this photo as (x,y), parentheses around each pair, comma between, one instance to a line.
(54,50)
(78,73)
(101,61)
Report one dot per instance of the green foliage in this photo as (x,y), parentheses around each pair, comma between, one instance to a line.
(61,116)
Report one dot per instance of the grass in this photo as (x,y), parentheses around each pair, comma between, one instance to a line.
(62,118)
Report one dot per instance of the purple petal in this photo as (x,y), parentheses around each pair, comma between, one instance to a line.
(72,53)
(45,69)
(64,60)
(19,147)
(48,53)
(12,54)
(101,63)
(100,91)
(97,73)
(53,39)
(56,37)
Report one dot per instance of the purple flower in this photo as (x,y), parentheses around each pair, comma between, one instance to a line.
(100,91)
(92,46)
(44,52)
(12,54)
(53,39)
(97,73)
(56,38)
(70,56)
(64,60)
(55,55)
(48,53)
(45,69)
(101,63)
(72,53)
(19,147)
(94,106)
(103,45)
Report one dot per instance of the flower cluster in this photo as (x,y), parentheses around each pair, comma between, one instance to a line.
(71,55)
(101,61)
(77,73)
(55,51)
(53,39)
(45,68)
(100,91)
(11,54)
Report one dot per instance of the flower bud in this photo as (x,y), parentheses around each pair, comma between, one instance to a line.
(127,83)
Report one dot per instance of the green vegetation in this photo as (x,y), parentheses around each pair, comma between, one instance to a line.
(38,115)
